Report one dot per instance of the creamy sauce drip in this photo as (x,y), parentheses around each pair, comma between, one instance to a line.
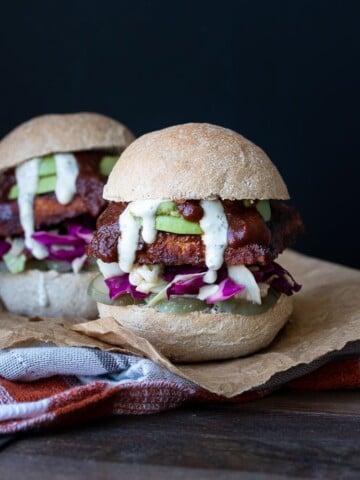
(210,276)
(67,171)
(109,270)
(141,213)
(27,180)
(147,278)
(27,175)
(137,214)
(215,227)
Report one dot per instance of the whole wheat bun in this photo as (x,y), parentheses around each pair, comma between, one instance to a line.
(48,294)
(62,133)
(194,161)
(198,336)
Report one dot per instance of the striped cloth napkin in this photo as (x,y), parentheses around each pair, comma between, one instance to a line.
(57,386)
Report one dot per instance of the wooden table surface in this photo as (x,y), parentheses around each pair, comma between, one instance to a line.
(286,435)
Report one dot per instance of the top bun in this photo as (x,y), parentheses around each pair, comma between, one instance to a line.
(194,161)
(62,133)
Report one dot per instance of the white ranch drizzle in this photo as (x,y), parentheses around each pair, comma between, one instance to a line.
(140,212)
(109,270)
(215,227)
(27,180)
(67,171)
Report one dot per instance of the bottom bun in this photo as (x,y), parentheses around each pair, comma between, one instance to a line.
(198,336)
(48,294)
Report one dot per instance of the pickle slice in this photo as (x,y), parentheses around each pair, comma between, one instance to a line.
(242,307)
(180,305)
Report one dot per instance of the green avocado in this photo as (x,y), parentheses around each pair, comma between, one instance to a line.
(47,166)
(263,207)
(168,208)
(168,223)
(45,185)
(47,174)
(106,164)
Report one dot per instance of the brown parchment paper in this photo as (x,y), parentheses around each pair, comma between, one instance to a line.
(326,317)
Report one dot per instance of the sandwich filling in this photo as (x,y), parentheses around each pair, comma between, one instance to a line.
(48,207)
(182,256)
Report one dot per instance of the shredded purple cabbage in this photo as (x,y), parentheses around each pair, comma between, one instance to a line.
(4,247)
(273,274)
(80,232)
(186,287)
(171,272)
(76,237)
(48,238)
(120,285)
(65,254)
(278,278)
(227,289)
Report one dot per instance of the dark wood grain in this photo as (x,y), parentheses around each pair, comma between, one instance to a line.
(287,435)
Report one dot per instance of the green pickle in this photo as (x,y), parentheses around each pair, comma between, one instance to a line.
(247,308)
(180,305)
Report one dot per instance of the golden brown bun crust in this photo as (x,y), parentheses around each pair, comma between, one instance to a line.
(197,336)
(194,161)
(62,133)
(48,294)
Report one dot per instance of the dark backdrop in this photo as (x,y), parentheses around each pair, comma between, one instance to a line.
(283,73)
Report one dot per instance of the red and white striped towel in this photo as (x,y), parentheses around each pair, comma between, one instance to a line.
(56,386)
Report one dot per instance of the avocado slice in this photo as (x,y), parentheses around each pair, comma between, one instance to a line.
(106,164)
(47,166)
(169,219)
(168,223)
(168,208)
(45,185)
(263,207)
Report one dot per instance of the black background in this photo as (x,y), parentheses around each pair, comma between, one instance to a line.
(282,73)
